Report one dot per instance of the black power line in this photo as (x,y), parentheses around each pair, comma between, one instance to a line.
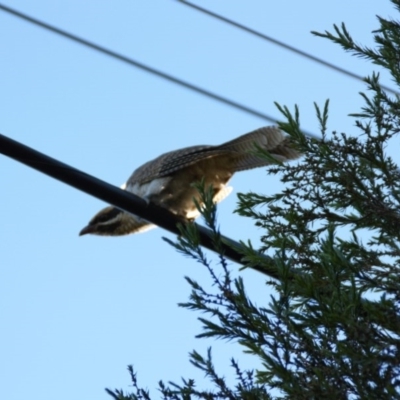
(134,204)
(280,43)
(120,198)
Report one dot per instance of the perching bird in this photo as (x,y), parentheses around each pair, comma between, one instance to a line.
(167,180)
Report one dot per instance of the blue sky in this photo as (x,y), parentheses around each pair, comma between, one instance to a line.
(76,311)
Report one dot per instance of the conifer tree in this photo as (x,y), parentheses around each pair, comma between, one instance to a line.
(332,328)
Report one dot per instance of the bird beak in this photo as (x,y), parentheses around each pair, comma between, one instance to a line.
(86,230)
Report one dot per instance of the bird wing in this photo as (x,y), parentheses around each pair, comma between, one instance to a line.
(168,163)
(237,153)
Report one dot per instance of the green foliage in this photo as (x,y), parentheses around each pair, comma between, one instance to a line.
(332,328)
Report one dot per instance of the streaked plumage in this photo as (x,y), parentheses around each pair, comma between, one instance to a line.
(167,180)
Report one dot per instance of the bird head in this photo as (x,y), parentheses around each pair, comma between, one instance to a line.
(110,221)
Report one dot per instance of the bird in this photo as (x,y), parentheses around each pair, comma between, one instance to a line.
(168,180)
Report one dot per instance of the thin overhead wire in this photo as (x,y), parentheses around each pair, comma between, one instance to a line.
(138,64)
(281,44)
(122,199)
(144,67)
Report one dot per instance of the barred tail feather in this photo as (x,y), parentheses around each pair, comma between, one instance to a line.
(270,139)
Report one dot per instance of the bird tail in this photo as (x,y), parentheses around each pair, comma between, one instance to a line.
(269,138)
